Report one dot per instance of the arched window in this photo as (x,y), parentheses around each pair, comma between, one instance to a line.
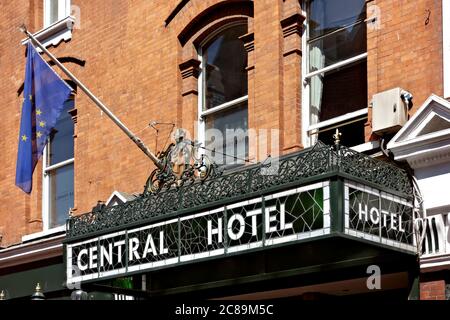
(223,95)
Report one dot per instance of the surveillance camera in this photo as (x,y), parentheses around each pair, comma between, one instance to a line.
(406,96)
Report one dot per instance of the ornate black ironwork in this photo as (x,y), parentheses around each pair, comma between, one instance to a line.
(312,164)
(183,157)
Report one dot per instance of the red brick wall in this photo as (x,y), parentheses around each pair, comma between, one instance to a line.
(406,51)
(133,65)
(432,290)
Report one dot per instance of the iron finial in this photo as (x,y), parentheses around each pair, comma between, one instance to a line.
(337,137)
(38,295)
(23,28)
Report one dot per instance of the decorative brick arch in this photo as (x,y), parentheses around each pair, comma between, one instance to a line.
(278,48)
(192,22)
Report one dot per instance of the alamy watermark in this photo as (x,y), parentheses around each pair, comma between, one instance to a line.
(374,280)
(235,146)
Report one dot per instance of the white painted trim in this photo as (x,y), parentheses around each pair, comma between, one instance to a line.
(29,252)
(59,165)
(305,116)
(155,225)
(46,186)
(428,138)
(28,244)
(404,134)
(446,45)
(414,133)
(45,191)
(55,33)
(428,149)
(435,262)
(117,194)
(224,106)
(337,65)
(201,123)
(63,11)
(366,146)
(338,119)
(44,233)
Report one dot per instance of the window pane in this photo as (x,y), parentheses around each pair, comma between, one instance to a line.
(225,61)
(352,134)
(226,135)
(328,15)
(337,47)
(338,92)
(61,194)
(53,11)
(61,143)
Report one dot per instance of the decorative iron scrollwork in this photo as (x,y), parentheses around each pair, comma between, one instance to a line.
(181,164)
(200,184)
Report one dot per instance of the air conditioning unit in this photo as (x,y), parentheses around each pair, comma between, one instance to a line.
(390,110)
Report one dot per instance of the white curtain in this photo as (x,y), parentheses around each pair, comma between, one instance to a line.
(317,62)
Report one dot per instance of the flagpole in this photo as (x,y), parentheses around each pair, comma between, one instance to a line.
(99,104)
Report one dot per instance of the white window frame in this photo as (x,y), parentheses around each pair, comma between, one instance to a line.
(446,45)
(46,184)
(63,11)
(311,129)
(202,113)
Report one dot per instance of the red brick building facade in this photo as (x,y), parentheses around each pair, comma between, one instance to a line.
(142,59)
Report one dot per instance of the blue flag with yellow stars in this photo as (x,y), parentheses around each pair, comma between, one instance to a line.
(44,96)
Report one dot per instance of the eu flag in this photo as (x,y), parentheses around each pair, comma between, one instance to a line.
(43,99)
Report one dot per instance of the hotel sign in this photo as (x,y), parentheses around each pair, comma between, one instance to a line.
(378,216)
(262,222)
(265,221)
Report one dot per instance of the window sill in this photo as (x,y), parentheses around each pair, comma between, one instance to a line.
(224,106)
(43,234)
(368,146)
(336,120)
(54,33)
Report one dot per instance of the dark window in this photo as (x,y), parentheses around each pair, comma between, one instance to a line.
(62,137)
(60,168)
(344,90)
(224,60)
(61,196)
(337,41)
(226,134)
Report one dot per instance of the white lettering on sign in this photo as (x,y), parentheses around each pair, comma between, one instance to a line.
(149,246)
(217,230)
(119,245)
(92,257)
(83,252)
(373,215)
(106,254)
(254,223)
(231,233)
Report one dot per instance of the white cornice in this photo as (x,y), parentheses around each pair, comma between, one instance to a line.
(55,33)
(32,251)
(426,149)
(435,263)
